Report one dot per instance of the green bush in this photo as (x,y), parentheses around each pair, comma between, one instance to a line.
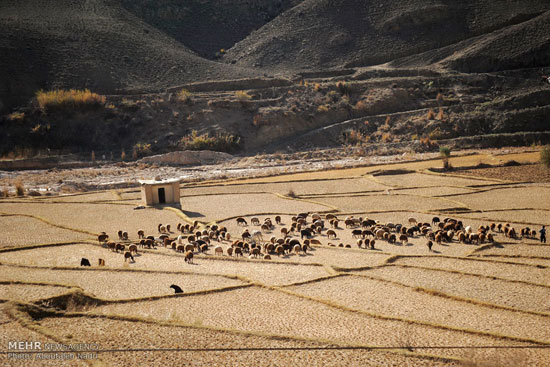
(220,142)
(545,156)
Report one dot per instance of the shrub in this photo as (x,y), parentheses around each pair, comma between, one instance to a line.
(220,142)
(16,116)
(445,153)
(440,115)
(19,188)
(545,156)
(322,108)
(242,95)
(69,100)
(355,137)
(141,150)
(184,96)
(430,115)
(343,88)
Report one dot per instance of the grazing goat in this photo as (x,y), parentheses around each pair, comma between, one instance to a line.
(128,255)
(103,237)
(176,289)
(189,257)
(85,262)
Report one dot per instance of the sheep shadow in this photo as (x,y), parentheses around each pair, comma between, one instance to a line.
(436,252)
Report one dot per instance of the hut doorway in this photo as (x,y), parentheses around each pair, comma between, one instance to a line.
(162,196)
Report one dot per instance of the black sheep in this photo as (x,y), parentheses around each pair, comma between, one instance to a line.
(85,262)
(176,288)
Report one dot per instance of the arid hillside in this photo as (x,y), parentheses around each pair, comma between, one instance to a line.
(269,76)
(91,44)
(346,33)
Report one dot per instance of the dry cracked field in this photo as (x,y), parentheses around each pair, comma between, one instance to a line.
(337,304)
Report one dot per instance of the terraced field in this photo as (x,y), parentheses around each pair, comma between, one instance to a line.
(337,303)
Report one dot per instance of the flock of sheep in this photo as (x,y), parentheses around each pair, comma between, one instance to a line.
(304,231)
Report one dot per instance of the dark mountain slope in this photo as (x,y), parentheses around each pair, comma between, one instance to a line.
(94,44)
(347,33)
(206,27)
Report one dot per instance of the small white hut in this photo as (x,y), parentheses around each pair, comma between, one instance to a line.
(160,192)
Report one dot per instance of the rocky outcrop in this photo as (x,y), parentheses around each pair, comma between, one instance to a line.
(188,158)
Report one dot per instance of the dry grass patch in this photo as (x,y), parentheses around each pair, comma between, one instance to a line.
(394,300)
(382,202)
(266,311)
(132,335)
(538,217)
(112,285)
(222,206)
(508,198)
(495,291)
(486,268)
(97,217)
(19,231)
(412,180)
(29,292)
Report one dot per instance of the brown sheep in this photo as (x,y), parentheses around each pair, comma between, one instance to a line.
(103,237)
(359,243)
(120,247)
(133,248)
(189,257)
(297,249)
(204,248)
(119,233)
(372,243)
(125,236)
(461,237)
(218,250)
(255,252)
(141,234)
(314,242)
(189,247)
(392,238)
(267,257)
(241,222)
(331,233)
(101,262)
(280,250)
(278,219)
(238,251)
(180,248)
(429,244)
(404,239)
(230,251)
(438,238)
(255,221)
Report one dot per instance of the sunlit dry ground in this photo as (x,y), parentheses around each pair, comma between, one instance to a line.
(328,306)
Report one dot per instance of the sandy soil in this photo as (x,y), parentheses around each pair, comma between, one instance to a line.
(507,271)
(29,292)
(383,297)
(19,231)
(263,310)
(126,334)
(501,292)
(268,311)
(118,284)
